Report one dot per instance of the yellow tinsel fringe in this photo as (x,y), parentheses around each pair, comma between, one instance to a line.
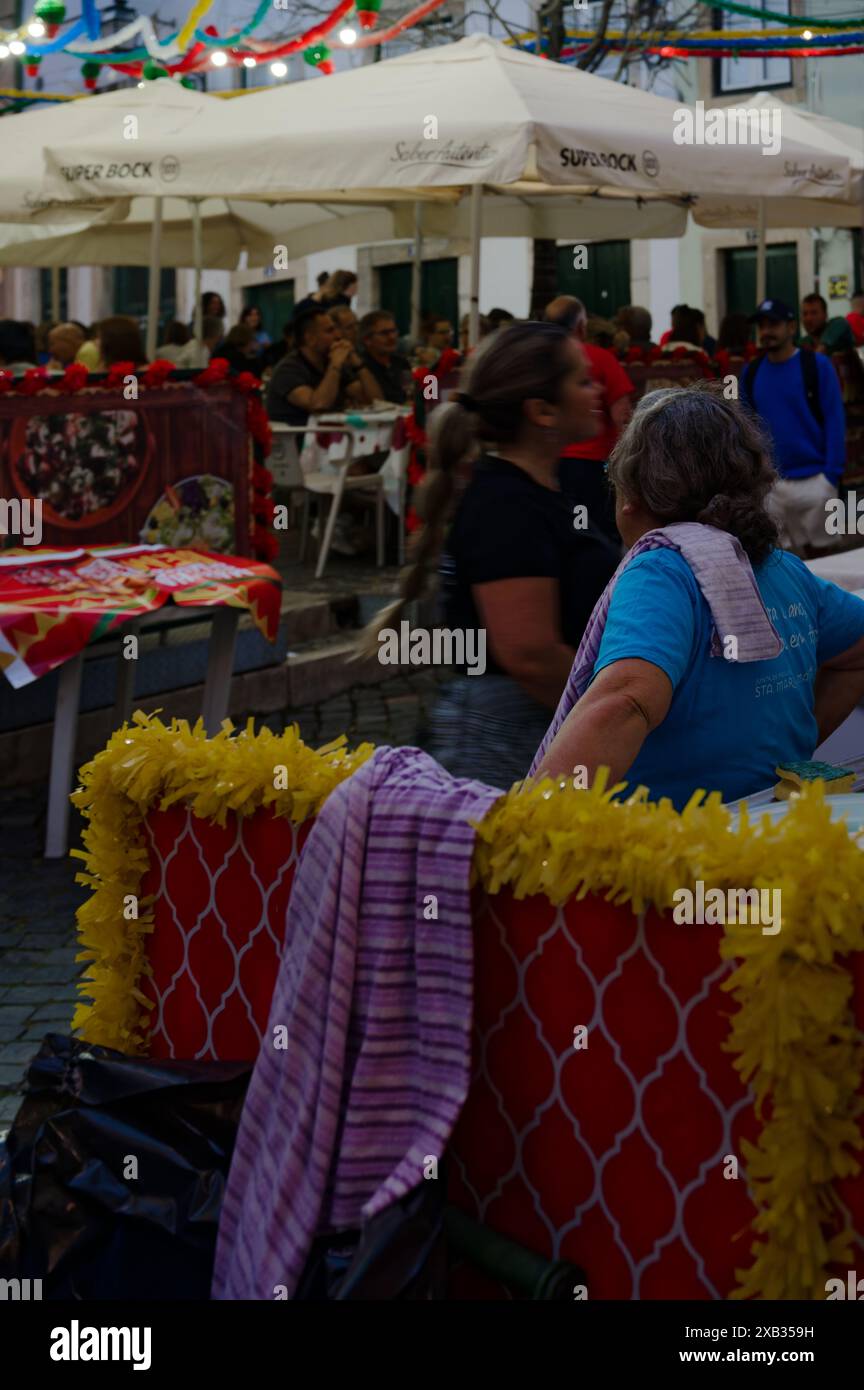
(152,764)
(794,1034)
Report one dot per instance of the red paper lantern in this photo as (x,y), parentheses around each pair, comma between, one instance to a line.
(367,13)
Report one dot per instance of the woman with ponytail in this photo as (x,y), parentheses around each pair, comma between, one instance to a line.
(713,656)
(516,565)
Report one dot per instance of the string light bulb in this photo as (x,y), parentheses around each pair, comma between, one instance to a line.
(218,58)
(250,62)
(17,48)
(807,34)
(347,36)
(36,29)
(279,69)
(4,51)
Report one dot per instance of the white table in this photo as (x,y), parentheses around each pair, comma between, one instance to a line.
(371,431)
(845,570)
(361,432)
(214,703)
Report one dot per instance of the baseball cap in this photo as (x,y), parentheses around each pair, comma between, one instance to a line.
(773,309)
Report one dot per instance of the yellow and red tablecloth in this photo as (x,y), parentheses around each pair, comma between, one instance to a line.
(53,603)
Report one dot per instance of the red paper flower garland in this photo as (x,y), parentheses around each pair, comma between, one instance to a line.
(650,357)
(76,378)
(415,425)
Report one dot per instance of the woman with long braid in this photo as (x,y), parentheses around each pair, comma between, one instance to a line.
(513,557)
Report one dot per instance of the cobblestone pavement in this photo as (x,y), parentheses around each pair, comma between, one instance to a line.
(39,898)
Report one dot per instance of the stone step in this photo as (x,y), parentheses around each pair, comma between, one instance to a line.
(175,656)
(319,670)
(311,673)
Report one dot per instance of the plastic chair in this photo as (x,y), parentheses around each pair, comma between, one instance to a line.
(334,483)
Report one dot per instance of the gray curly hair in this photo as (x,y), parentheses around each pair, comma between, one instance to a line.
(692,455)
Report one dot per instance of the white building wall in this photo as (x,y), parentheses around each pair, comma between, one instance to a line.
(505,275)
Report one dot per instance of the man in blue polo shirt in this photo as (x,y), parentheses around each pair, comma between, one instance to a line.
(797,395)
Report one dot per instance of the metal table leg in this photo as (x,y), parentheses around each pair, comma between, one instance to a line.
(125,689)
(63,757)
(220,666)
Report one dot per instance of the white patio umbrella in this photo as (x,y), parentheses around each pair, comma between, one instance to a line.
(58,221)
(121,233)
(831,140)
(443,118)
(429,127)
(478,114)
(89,164)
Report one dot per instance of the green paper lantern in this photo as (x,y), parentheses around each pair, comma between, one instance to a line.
(188,82)
(315,54)
(152,70)
(52,14)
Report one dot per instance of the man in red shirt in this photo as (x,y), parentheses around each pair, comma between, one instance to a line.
(582,470)
(855,320)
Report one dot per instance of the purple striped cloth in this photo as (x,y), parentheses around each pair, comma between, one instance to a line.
(375,990)
(725,576)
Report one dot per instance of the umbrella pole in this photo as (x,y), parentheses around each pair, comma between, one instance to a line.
(474,307)
(197,257)
(153,279)
(417,271)
(761,268)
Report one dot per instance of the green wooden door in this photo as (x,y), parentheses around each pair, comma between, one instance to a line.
(781,276)
(439,290)
(604,283)
(45,293)
(276,302)
(130,295)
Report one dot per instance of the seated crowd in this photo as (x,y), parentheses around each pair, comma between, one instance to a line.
(524,531)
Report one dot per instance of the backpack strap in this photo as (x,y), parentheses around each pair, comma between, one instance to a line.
(810,374)
(747,381)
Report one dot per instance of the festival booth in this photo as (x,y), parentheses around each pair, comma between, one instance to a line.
(673,1110)
(128,489)
(146,455)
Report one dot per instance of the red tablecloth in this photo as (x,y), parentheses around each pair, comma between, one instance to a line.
(54,602)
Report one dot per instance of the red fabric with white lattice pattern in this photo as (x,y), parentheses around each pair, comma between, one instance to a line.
(610,1156)
(220,900)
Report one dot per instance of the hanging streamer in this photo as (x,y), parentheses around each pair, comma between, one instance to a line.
(796,21)
(197,12)
(83,39)
(141,27)
(92,18)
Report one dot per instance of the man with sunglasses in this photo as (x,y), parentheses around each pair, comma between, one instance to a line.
(379,339)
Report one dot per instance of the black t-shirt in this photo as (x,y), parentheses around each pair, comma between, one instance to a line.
(391,378)
(507,526)
(296,370)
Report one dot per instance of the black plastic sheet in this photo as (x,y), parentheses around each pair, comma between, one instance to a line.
(69,1216)
(399,1255)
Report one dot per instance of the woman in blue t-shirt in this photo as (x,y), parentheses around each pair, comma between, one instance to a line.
(659,705)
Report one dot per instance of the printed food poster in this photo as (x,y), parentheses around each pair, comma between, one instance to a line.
(171,468)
